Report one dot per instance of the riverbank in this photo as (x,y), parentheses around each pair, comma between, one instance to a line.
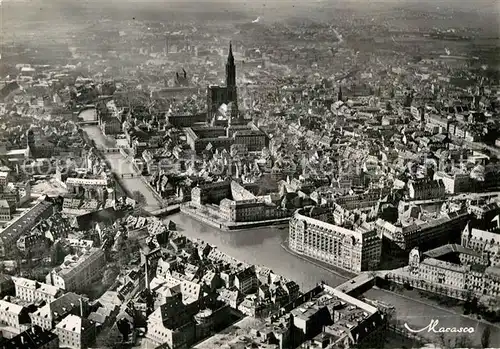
(229,226)
(263,246)
(412,296)
(122,167)
(153,191)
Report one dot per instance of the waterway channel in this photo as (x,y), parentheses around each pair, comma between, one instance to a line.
(263,246)
(122,167)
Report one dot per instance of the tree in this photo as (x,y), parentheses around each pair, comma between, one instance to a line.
(56,254)
(388,106)
(128,248)
(442,340)
(109,338)
(124,328)
(485,337)
(463,342)
(474,306)
(139,197)
(109,276)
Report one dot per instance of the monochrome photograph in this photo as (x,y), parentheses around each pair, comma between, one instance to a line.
(249,174)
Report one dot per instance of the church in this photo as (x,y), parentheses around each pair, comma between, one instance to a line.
(225,124)
(219,95)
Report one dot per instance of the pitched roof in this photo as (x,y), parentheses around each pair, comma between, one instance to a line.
(74,324)
(35,285)
(10,307)
(59,307)
(33,338)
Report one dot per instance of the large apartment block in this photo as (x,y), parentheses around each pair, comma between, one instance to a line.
(23,225)
(355,250)
(78,271)
(34,291)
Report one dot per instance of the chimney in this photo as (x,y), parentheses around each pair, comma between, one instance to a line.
(81,307)
(146,273)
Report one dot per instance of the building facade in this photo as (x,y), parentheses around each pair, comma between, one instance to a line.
(211,193)
(23,225)
(7,209)
(457,280)
(426,189)
(405,236)
(49,315)
(225,125)
(358,250)
(34,291)
(217,95)
(111,126)
(438,272)
(78,271)
(14,316)
(249,211)
(33,338)
(75,332)
(90,188)
(454,183)
(485,242)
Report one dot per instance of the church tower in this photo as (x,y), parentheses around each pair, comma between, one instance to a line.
(30,136)
(231,76)
(218,95)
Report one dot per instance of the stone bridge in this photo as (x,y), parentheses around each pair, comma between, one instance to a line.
(110,150)
(129,175)
(88,122)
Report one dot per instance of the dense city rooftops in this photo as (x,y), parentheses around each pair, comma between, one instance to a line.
(33,338)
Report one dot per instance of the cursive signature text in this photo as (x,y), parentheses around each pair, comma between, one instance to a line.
(433,327)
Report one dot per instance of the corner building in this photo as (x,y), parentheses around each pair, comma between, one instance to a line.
(355,250)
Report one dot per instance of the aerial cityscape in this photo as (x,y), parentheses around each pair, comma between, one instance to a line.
(274,174)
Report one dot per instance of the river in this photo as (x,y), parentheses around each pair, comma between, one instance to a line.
(263,246)
(121,166)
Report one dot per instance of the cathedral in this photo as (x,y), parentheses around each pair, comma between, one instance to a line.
(224,95)
(225,124)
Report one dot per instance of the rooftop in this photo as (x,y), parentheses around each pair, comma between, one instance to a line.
(450,248)
(59,307)
(73,264)
(35,285)
(330,227)
(10,307)
(24,222)
(34,338)
(74,324)
(445,265)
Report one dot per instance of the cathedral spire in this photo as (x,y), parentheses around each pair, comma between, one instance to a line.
(231,71)
(230,57)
